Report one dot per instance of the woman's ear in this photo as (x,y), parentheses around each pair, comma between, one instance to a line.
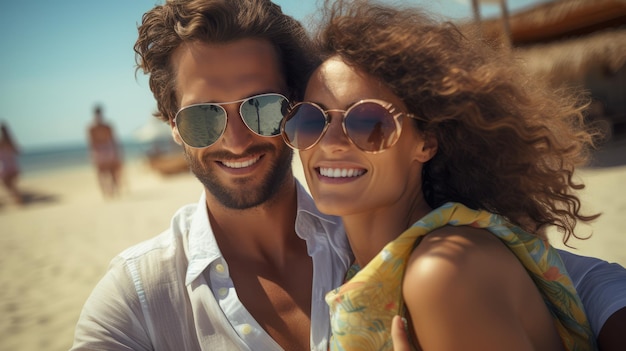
(427,149)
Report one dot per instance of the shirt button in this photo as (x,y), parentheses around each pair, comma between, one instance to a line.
(219,268)
(222,292)
(246,329)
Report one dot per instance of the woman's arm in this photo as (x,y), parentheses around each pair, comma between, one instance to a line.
(465,290)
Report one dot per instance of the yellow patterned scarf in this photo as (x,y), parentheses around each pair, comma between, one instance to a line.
(361,309)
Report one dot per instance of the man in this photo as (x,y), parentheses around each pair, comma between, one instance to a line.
(231,273)
(248,266)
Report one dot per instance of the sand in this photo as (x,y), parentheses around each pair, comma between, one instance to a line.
(54,249)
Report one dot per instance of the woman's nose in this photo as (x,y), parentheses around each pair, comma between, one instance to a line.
(335,139)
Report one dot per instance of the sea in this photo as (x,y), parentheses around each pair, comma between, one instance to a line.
(62,157)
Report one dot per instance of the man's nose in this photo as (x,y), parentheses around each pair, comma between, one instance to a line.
(237,136)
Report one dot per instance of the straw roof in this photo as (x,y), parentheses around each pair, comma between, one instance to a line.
(562,40)
(571,59)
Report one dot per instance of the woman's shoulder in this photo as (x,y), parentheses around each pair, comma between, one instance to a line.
(459,243)
(465,282)
(463,257)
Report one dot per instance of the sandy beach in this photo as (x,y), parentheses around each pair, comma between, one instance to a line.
(55,248)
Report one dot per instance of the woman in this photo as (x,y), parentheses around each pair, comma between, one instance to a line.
(445,164)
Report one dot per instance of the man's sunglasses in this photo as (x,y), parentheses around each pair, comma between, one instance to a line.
(201,125)
(372,125)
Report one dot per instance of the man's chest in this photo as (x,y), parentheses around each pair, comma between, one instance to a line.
(279,301)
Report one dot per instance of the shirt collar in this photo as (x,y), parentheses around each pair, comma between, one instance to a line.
(307,206)
(202,246)
(310,225)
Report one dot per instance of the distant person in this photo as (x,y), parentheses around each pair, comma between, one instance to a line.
(105,154)
(9,166)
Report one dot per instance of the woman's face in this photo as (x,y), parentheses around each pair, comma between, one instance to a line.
(343,179)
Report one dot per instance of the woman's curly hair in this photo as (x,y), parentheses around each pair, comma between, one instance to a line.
(166,27)
(506,144)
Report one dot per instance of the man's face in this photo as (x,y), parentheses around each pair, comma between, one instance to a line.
(241,169)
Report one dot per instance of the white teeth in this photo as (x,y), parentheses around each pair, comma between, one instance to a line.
(341,172)
(241,164)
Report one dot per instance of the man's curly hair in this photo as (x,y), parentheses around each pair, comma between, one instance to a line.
(166,27)
(506,144)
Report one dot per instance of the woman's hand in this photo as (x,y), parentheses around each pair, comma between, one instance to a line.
(398,335)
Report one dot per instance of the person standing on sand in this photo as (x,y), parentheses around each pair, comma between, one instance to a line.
(105,154)
(9,167)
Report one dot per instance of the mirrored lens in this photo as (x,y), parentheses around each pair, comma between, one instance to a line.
(201,125)
(263,113)
(303,126)
(370,126)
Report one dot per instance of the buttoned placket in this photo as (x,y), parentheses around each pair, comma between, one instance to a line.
(242,321)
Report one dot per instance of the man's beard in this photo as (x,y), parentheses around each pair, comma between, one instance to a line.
(243,196)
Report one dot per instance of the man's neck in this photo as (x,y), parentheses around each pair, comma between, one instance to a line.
(269,265)
(259,233)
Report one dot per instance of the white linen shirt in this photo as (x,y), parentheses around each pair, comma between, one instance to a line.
(174,291)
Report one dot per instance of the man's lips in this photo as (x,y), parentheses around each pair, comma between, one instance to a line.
(241,164)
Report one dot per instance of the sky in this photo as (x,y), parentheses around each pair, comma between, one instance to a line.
(58,59)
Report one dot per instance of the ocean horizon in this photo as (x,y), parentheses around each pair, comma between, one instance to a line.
(61,157)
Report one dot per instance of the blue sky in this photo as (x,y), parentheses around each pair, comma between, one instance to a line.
(60,58)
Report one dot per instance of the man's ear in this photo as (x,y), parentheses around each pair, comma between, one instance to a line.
(175,133)
(427,149)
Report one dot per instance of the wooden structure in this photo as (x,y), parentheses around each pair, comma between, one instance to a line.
(557,20)
(573,42)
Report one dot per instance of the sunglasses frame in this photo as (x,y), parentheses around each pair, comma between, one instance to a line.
(220,105)
(391,108)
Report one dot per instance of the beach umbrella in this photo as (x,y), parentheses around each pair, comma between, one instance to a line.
(153,130)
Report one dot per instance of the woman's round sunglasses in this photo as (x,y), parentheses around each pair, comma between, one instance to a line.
(201,125)
(372,125)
